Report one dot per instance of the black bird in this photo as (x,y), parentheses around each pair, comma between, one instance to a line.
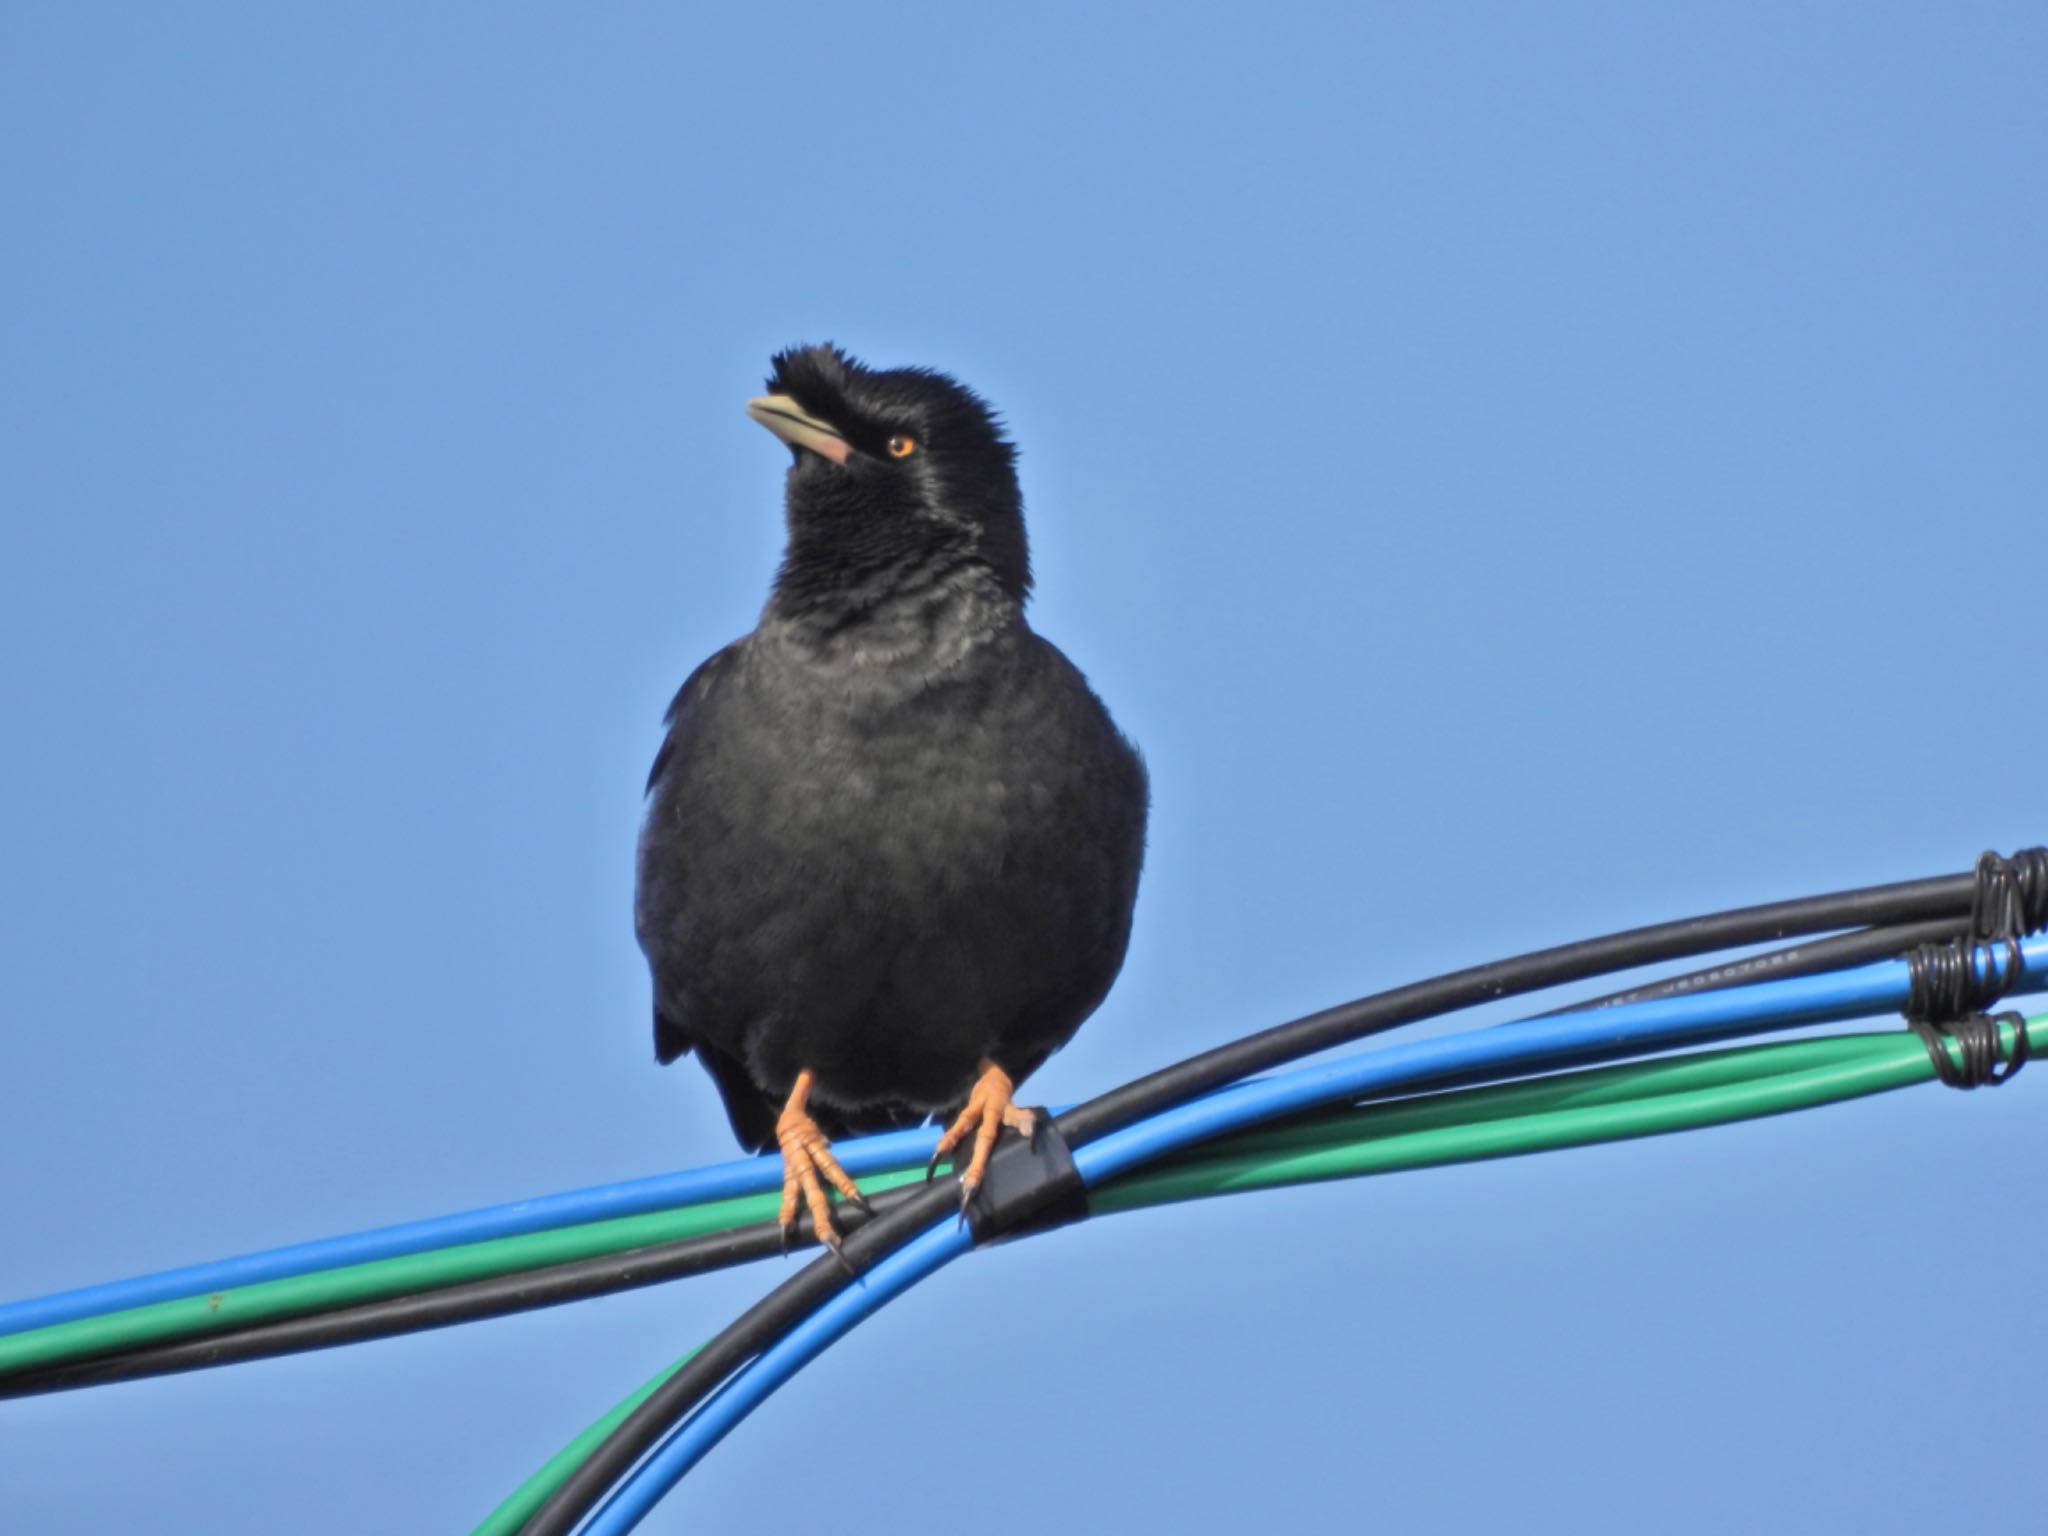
(893,838)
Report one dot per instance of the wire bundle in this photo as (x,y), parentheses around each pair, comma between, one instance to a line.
(1201,1127)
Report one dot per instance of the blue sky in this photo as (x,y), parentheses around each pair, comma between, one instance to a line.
(1518,474)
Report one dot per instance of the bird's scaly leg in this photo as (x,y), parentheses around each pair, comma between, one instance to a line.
(805,1155)
(989,1109)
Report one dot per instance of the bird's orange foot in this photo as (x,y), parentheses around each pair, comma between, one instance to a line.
(989,1109)
(807,1167)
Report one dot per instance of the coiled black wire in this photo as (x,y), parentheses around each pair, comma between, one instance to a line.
(1948,991)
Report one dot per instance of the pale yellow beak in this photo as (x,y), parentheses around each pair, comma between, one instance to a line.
(798,427)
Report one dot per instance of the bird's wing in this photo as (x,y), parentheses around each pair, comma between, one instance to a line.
(671,1038)
(689,699)
(752,1112)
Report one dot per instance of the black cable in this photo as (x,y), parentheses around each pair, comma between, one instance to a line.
(2020,893)
(606,1274)
(467,1301)
(796,1298)
(2010,897)
(1882,905)
(1813,958)
(746,1336)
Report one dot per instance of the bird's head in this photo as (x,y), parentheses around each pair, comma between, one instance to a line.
(891,467)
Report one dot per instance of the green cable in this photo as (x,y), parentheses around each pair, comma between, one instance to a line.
(1533,1117)
(1570,1109)
(1633,1099)
(326,1290)
(509,1516)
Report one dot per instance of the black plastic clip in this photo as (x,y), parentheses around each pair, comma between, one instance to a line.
(1031,1185)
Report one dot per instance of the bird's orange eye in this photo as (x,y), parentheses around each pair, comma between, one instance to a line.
(902,447)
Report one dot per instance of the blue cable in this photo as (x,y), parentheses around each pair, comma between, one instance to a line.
(925,1254)
(1529,1046)
(633,1197)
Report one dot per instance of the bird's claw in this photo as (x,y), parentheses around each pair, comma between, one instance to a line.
(807,1167)
(990,1110)
(834,1242)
